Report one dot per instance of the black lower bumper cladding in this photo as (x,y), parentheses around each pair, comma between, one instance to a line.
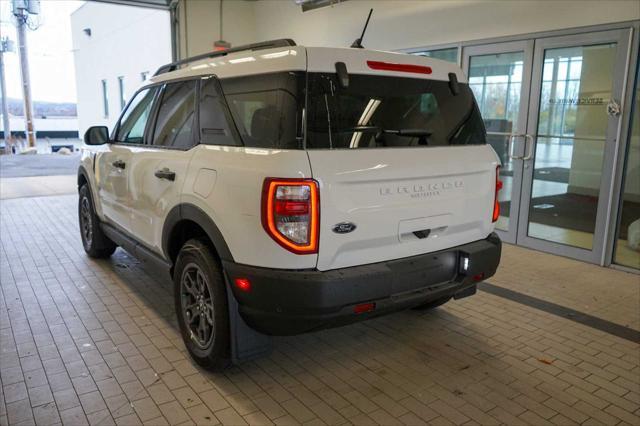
(285,302)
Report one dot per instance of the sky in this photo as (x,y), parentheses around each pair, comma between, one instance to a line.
(50,52)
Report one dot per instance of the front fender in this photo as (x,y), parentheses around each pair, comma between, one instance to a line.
(85,175)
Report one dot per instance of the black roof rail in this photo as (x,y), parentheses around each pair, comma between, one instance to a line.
(282,42)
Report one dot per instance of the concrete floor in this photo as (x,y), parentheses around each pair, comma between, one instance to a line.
(96,342)
(38,175)
(37,186)
(13,166)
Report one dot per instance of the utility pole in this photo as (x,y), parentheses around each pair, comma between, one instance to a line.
(6,45)
(21,10)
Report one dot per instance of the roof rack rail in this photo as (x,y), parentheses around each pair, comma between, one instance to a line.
(283,42)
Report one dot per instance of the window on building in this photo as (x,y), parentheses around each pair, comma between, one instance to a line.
(214,120)
(134,119)
(449,54)
(560,82)
(105,99)
(123,101)
(144,75)
(496,81)
(174,125)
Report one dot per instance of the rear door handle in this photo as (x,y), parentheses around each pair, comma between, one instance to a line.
(165,174)
(119,164)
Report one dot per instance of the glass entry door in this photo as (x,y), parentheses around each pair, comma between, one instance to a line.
(500,76)
(576,91)
(551,108)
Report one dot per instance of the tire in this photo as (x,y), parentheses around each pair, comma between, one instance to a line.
(201,305)
(95,243)
(432,304)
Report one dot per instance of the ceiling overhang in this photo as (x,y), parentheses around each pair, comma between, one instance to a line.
(156,4)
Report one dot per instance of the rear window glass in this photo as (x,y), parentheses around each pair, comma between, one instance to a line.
(388,112)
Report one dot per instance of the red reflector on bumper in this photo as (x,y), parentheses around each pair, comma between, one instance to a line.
(243,284)
(478,277)
(364,307)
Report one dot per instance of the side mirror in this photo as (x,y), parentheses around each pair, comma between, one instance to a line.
(96,135)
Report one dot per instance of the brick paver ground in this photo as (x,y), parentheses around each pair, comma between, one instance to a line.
(606,293)
(96,342)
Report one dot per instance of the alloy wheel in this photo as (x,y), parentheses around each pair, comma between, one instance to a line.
(85,221)
(197,306)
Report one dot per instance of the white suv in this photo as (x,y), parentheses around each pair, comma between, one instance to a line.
(288,189)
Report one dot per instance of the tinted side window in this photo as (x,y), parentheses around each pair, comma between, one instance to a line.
(215,128)
(135,117)
(174,126)
(267,108)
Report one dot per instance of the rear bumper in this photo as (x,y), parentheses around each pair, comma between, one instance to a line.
(284,302)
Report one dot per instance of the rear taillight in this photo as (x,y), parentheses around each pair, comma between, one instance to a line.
(291,213)
(496,204)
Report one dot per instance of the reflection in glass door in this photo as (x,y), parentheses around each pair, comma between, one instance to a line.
(499,76)
(571,137)
(573,120)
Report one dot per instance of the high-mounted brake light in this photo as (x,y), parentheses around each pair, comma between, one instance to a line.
(390,66)
(496,204)
(291,213)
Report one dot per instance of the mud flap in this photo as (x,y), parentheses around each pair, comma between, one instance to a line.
(246,343)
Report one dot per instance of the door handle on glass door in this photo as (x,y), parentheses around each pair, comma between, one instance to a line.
(510,145)
(165,174)
(119,164)
(528,147)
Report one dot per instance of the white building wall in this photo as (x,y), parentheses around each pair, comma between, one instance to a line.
(125,41)
(396,24)
(49,124)
(199,24)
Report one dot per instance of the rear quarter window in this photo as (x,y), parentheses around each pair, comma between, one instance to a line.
(267,109)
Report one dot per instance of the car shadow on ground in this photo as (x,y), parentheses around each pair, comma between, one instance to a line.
(423,354)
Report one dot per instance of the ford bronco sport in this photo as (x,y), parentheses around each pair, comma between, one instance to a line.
(288,189)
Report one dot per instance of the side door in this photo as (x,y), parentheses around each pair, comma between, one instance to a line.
(112,164)
(158,169)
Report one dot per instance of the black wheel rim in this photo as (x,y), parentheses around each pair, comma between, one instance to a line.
(197,306)
(85,221)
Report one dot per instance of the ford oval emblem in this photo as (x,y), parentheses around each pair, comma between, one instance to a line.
(344,228)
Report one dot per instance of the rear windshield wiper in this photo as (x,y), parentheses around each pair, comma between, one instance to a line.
(412,133)
(422,134)
(363,129)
